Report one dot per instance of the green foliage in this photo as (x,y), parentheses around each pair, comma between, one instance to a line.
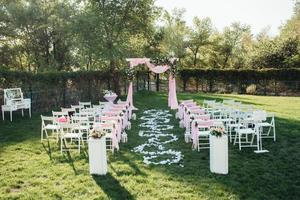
(70,35)
(174,32)
(36,34)
(277,53)
(199,37)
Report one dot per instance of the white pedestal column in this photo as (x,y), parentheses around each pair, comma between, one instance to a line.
(219,154)
(97,156)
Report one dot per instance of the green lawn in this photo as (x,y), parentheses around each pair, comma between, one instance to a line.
(30,169)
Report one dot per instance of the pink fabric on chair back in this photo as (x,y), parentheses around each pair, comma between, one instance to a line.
(195,125)
(203,117)
(198,111)
(62,119)
(117,123)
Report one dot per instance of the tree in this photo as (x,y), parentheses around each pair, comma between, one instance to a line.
(174,40)
(199,36)
(116,22)
(232,41)
(36,32)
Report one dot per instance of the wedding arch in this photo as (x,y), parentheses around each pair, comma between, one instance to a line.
(158,69)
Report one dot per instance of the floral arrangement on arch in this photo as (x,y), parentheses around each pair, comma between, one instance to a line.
(171,62)
(130,73)
(218,132)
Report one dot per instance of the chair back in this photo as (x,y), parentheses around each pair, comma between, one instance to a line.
(208,103)
(68,127)
(68,110)
(58,115)
(47,120)
(202,117)
(85,104)
(77,108)
(259,115)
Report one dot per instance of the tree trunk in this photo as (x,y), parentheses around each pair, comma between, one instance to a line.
(115,77)
(195,57)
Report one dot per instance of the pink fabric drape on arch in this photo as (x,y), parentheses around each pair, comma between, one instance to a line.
(172,97)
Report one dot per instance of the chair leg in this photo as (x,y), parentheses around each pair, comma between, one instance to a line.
(79,144)
(274,131)
(57,135)
(230,136)
(82,141)
(240,142)
(2,114)
(235,137)
(42,135)
(11,116)
(29,110)
(61,145)
(22,113)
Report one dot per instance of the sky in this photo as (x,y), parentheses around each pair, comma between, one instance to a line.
(259,14)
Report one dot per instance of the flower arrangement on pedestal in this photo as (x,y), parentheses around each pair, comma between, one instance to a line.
(171,62)
(218,132)
(108,92)
(97,134)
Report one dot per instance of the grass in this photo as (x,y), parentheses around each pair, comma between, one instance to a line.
(30,169)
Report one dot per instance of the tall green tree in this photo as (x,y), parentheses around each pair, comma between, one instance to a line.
(232,42)
(175,31)
(114,24)
(38,33)
(199,36)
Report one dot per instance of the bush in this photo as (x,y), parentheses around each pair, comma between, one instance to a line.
(251,89)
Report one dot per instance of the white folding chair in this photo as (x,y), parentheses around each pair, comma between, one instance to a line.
(232,126)
(59,114)
(98,109)
(84,125)
(208,103)
(48,124)
(203,134)
(268,122)
(68,110)
(85,104)
(242,134)
(77,108)
(109,129)
(69,131)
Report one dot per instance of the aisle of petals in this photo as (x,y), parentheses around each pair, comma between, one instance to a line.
(155,129)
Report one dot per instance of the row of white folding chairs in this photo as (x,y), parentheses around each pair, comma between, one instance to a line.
(238,120)
(74,129)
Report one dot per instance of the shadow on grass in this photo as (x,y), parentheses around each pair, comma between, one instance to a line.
(273,175)
(48,149)
(112,188)
(130,161)
(70,161)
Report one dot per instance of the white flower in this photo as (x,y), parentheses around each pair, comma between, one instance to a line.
(156,125)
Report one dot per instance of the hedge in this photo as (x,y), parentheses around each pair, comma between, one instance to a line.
(243,74)
(55,89)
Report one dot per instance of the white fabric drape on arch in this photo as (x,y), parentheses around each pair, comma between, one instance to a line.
(172,97)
